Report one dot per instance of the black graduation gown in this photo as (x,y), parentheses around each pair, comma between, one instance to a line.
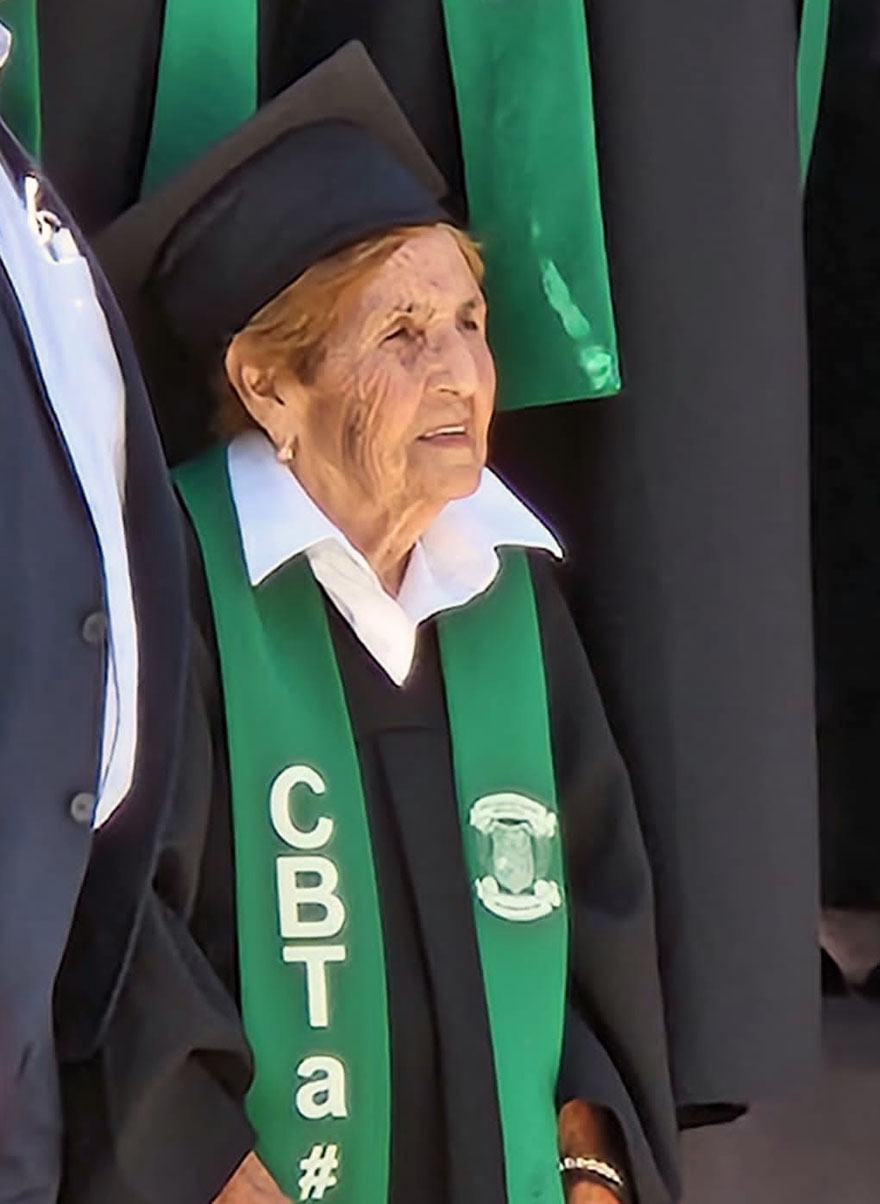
(446,1138)
(843,262)
(683,501)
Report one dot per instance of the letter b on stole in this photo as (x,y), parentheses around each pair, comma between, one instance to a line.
(308,911)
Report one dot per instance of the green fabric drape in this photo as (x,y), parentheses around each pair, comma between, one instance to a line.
(524,96)
(20,82)
(285,709)
(524,964)
(530,163)
(529,155)
(289,732)
(524,92)
(207,81)
(810,72)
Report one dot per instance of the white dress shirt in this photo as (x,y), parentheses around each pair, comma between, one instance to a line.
(455,560)
(81,373)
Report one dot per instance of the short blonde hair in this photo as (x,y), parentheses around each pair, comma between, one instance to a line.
(292,327)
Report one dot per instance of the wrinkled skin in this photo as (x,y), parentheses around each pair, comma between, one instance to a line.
(252,1184)
(407,359)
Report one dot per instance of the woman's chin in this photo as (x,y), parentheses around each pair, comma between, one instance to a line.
(446,476)
(460,482)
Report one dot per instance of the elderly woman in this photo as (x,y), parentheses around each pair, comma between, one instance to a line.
(438,929)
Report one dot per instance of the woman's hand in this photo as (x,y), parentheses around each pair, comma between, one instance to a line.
(252,1184)
(589,1193)
(585,1131)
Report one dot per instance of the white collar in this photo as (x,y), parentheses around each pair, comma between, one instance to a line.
(455,560)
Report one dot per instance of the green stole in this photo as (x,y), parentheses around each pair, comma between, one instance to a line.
(812,53)
(310,939)
(525,105)
(207,82)
(20,83)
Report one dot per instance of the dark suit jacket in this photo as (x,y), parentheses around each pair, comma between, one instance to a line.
(51,697)
(51,712)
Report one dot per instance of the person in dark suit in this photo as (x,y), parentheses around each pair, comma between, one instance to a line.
(101,727)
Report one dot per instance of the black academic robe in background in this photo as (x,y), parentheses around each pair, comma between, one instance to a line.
(683,502)
(843,260)
(446,1135)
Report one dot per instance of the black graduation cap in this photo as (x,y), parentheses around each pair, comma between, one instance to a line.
(328,162)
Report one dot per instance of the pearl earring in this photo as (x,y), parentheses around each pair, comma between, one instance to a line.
(287,452)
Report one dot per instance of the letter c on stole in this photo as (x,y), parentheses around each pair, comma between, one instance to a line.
(280,808)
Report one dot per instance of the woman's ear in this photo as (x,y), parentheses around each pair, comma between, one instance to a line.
(272,406)
(251,382)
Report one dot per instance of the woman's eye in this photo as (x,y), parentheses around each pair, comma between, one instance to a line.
(470,324)
(399,332)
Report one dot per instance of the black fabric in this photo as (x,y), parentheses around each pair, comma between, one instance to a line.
(843,258)
(683,503)
(310,193)
(445,1112)
(31,1130)
(405,39)
(99,66)
(98,78)
(615,1048)
(446,1135)
(156,1114)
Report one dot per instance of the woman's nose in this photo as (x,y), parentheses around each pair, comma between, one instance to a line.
(456,370)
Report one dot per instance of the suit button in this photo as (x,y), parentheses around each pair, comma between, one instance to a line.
(82,807)
(94,628)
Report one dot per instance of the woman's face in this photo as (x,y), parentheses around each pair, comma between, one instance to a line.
(398,411)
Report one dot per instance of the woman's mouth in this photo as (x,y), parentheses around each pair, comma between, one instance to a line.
(451,434)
